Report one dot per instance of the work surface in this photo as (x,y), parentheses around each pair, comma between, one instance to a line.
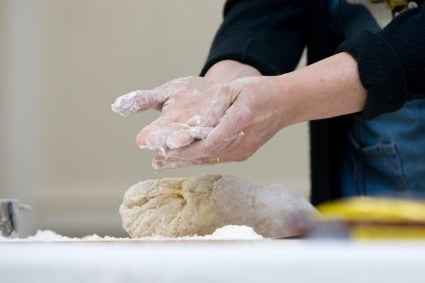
(213,261)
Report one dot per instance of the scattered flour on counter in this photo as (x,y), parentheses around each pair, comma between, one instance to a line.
(50,236)
(232,232)
(229,232)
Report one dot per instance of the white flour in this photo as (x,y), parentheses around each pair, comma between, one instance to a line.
(229,232)
(126,104)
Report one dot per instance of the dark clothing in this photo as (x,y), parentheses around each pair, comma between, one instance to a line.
(271,35)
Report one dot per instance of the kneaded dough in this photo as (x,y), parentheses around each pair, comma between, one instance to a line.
(177,207)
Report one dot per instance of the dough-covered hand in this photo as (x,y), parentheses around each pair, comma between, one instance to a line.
(259,110)
(190,108)
(198,206)
(204,121)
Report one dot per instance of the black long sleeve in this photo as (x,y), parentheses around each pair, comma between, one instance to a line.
(266,34)
(391,63)
(269,35)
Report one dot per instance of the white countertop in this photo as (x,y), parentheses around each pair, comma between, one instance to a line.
(213,261)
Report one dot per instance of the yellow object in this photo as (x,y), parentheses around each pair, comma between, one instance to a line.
(377,218)
(374,209)
(370,232)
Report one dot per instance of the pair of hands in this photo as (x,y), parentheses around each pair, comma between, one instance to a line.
(206,120)
(203,121)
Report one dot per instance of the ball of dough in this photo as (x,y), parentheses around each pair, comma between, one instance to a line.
(177,207)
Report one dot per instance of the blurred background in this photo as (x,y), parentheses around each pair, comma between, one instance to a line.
(63,151)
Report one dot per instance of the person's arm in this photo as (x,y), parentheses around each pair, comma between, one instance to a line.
(265,105)
(391,62)
(325,89)
(205,121)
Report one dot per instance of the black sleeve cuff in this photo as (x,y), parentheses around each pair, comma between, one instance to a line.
(380,72)
(252,57)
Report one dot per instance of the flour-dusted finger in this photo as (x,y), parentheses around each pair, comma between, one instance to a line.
(138,100)
(179,139)
(199,133)
(212,143)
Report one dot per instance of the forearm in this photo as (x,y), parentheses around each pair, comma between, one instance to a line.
(328,88)
(205,121)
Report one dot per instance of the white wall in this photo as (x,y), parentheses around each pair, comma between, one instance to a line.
(62,65)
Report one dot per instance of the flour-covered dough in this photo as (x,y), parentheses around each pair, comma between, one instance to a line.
(198,206)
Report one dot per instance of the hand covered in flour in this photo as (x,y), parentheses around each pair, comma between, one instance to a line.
(230,113)
(190,108)
(204,121)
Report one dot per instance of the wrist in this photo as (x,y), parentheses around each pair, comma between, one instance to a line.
(229,70)
(287,89)
(328,88)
